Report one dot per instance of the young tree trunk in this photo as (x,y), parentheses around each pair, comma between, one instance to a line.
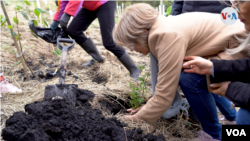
(15,41)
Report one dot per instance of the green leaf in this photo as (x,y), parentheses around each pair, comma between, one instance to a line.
(46,24)
(57,51)
(168,11)
(35,35)
(17,63)
(10,27)
(18,36)
(3,23)
(40,10)
(26,2)
(24,15)
(37,13)
(1,16)
(35,22)
(18,8)
(14,33)
(15,20)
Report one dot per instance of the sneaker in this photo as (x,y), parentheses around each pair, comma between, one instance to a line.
(8,87)
(203,136)
(224,121)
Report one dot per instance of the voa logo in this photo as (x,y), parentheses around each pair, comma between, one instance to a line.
(236,132)
(229,16)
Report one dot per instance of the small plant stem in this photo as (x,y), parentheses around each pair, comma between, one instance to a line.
(15,41)
(22,47)
(42,18)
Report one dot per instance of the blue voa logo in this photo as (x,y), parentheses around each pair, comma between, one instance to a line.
(229,16)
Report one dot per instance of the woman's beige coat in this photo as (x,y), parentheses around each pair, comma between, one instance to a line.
(174,37)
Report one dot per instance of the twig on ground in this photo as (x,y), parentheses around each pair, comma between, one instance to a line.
(125,133)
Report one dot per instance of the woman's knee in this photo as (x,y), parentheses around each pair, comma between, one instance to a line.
(243,117)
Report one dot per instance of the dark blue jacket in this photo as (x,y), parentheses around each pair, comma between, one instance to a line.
(181,6)
(238,72)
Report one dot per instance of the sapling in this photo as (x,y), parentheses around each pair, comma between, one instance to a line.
(15,40)
(137,94)
(18,35)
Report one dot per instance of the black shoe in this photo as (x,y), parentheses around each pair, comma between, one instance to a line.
(133,69)
(91,49)
(90,63)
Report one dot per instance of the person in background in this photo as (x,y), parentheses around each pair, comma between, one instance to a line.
(231,77)
(232,81)
(184,6)
(84,13)
(169,40)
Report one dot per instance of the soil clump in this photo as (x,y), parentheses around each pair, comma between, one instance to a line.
(59,120)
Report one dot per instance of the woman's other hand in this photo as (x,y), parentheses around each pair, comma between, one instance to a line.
(197,65)
(220,88)
(135,110)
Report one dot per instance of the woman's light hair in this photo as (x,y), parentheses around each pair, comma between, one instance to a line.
(245,43)
(132,26)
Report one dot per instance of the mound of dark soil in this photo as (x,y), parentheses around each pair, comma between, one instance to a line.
(58,120)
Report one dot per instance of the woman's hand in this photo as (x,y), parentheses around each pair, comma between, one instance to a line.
(220,88)
(134,111)
(198,65)
(131,117)
(133,114)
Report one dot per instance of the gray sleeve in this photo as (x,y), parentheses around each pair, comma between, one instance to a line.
(154,71)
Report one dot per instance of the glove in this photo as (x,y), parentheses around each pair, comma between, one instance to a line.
(56,1)
(54,25)
(64,21)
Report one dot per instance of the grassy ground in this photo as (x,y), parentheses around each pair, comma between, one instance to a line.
(177,128)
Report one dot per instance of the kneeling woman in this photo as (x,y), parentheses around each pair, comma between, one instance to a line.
(169,39)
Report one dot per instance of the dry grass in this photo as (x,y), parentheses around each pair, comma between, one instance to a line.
(116,74)
(174,129)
